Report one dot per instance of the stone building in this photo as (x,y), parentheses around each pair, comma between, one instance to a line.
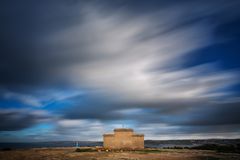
(123,138)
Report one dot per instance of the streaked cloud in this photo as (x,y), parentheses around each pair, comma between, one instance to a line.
(17,119)
(84,67)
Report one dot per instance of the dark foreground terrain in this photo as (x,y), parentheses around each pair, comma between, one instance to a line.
(68,153)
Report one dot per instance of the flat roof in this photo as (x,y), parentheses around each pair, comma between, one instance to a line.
(138,135)
(108,135)
(123,130)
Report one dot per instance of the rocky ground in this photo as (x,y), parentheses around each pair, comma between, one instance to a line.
(147,154)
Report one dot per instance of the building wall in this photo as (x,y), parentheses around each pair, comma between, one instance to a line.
(123,139)
(108,141)
(138,141)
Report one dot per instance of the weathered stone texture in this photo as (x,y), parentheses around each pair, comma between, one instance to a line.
(123,138)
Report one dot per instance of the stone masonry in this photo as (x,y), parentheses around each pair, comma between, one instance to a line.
(123,138)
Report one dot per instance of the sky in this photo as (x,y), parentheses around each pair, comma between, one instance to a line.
(73,70)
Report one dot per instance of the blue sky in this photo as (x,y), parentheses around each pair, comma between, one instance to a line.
(73,70)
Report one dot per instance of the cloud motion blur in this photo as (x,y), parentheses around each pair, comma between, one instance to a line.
(169,69)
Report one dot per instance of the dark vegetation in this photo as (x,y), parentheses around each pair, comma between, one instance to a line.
(220,148)
(224,148)
(6,149)
(85,150)
(101,149)
(149,151)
